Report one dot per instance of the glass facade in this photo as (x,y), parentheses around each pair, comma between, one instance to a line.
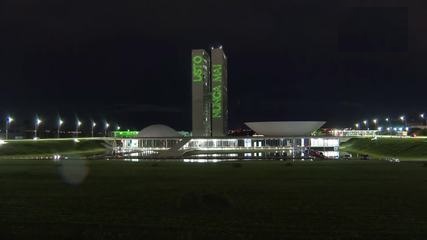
(289,147)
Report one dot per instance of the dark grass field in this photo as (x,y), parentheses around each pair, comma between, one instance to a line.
(402,148)
(33,149)
(41,199)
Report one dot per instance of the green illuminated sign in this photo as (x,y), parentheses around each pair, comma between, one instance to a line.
(217,91)
(125,134)
(197,68)
(217,102)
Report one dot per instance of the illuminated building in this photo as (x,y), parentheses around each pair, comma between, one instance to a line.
(219,92)
(201,94)
(209,93)
(282,139)
(274,139)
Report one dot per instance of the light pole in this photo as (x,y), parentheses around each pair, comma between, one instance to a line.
(60,122)
(9,120)
(93,126)
(107,125)
(36,126)
(78,124)
(403,119)
(356,125)
(388,124)
(375,121)
(366,124)
(117,129)
(422,117)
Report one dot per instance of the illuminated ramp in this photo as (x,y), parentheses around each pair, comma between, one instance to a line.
(175,151)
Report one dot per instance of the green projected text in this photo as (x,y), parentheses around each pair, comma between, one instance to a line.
(217,91)
(197,68)
(217,73)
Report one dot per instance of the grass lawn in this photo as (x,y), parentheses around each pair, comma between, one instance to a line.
(29,148)
(402,148)
(41,199)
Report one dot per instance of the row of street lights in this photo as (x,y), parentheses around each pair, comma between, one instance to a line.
(375,121)
(38,122)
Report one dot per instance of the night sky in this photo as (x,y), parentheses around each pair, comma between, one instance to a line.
(129,61)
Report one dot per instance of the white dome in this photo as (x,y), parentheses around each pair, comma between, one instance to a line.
(158,131)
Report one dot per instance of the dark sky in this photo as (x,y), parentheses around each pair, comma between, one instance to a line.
(129,61)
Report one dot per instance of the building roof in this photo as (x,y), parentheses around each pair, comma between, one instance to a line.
(285,128)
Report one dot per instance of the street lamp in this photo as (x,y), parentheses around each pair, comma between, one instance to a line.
(366,124)
(60,122)
(356,125)
(403,119)
(375,122)
(107,125)
(9,120)
(388,124)
(78,124)
(118,128)
(93,126)
(36,126)
(422,117)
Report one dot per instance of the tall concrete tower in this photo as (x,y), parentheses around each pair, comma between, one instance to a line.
(201,94)
(219,92)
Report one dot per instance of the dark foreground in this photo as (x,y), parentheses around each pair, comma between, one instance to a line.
(251,200)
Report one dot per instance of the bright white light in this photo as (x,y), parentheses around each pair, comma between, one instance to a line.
(365,122)
(79,123)
(35,138)
(60,122)
(2,142)
(395,129)
(94,124)
(375,121)
(402,118)
(407,129)
(387,119)
(422,115)
(357,125)
(380,128)
(400,129)
(388,129)
(118,128)
(38,121)
(76,140)
(9,120)
(107,125)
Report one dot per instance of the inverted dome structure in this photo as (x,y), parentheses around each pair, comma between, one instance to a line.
(158,131)
(285,129)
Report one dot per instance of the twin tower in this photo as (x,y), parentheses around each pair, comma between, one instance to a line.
(209,93)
